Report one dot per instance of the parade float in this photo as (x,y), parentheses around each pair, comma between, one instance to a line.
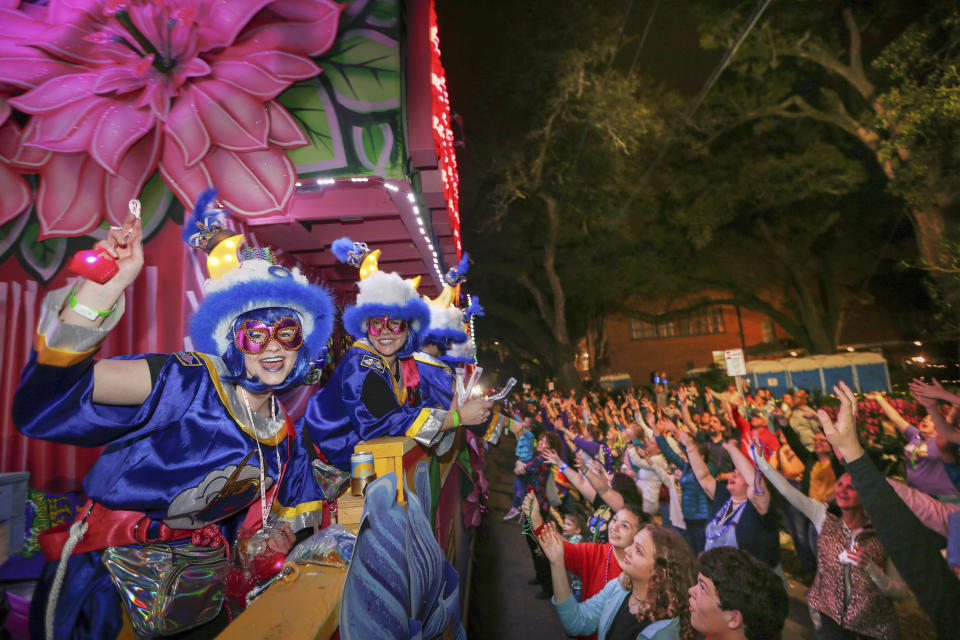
(313,120)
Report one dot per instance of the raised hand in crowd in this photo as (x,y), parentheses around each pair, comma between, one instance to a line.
(842,434)
(552,544)
(531,508)
(928,395)
(683,438)
(552,457)
(934,391)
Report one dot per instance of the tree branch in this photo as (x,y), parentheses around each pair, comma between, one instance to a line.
(525,280)
(549,260)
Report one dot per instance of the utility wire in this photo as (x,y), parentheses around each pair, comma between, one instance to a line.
(643,38)
(623,26)
(692,109)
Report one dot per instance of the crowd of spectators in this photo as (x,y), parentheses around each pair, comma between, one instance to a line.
(657,512)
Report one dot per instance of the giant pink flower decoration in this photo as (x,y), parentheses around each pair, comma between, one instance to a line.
(189,85)
(14,191)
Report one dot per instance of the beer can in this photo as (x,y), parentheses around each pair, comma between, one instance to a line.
(362,471)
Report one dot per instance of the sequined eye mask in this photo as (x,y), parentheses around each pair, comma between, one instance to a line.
(376,326)
(253,336)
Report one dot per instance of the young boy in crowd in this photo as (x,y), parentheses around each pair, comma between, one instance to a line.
(524,452)
(736,597)
(574,524)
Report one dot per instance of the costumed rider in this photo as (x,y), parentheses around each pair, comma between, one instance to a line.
(446,346)
(197,446)
(367,396)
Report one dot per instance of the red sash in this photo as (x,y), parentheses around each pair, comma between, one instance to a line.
(411,376)
(115,528)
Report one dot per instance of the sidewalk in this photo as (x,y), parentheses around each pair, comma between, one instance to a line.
(503,605)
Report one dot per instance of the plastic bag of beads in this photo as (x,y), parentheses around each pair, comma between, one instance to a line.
(330,547)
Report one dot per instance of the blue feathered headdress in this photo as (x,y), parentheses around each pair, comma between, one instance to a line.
(456,275)
(204,223)
(461,353)
(381,294)
(257,283)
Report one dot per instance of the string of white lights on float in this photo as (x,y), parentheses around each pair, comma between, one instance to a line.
(318,184)
(473,331)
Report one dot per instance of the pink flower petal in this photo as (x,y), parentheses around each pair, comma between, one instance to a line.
(119,128)
(75,10)
(29,158)
(14,194)
(135,169)
(156,96)
(196,68)
(284,131)
(323,16)
(118,79)
(9,140)
(254,183)
(186,128)
(29,70)
(185,38)
(69,129)
(224,21)
(310,37)
(249,78)
(286,66)
(188,182)
(70,198)
(56,93)
(70,42)
(233,118)
(17,25)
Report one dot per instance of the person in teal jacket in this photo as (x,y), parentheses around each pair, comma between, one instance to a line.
(647,601)
(693,501)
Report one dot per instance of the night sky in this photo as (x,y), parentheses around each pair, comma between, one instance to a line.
(481,57)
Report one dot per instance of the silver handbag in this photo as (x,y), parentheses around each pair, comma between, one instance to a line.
(168,588)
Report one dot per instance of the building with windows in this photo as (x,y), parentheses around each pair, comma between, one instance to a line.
(677,343)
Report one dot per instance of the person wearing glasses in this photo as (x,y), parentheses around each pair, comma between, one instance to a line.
(371,392)
(197,446)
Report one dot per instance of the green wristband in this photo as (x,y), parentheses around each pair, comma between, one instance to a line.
(85,311)
(456,419)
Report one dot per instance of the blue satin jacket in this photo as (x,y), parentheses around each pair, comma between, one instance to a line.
(363,401)
(185,456)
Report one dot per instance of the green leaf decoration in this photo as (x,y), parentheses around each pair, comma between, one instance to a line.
(383,13)
(364,69)
(42,258)
(311,105)
(374,143)
(156,202)
(11,231)
(155,205)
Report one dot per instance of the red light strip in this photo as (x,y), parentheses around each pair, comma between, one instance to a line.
(443,133)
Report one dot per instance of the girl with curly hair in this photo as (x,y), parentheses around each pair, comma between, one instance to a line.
(647,601)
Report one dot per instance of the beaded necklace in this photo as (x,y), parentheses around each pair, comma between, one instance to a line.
(725,518)
(606,568)
(264,512)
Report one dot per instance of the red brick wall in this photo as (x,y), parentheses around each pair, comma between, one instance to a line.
(640,357)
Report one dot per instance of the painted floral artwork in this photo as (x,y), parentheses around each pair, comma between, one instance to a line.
(124,87)
(104,100)
(399,585)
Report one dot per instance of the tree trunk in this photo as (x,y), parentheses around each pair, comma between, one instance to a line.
(930,227)
(568,377)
